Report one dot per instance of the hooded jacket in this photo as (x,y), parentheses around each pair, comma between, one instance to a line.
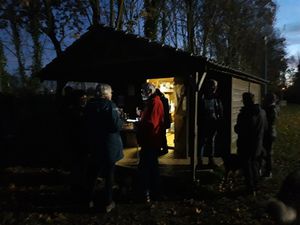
(151,126)
(103,125)
(250,127)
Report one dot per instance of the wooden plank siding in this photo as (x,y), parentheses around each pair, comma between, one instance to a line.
(238,88)
(256,90)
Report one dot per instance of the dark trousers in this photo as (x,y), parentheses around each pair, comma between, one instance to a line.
(78,169)
(149,170)
(164,140)
(207,142)
(268,155)
(250,169)
(102,169)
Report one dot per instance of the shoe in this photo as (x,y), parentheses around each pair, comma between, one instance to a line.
(212,163)
(147,197)
(163,152)
(110,207)
(199,166)
(268,176)
(251,192)
(91,204)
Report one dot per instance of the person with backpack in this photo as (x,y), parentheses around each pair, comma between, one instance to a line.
(167,121)
(209,118)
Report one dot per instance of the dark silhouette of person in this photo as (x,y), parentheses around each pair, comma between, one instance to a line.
(103,125)
(250,128)
(272,113)
(209,117)
(149,135)
(167,120)
(79,153)
(68,116)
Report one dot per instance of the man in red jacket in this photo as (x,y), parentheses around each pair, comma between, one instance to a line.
(150,138)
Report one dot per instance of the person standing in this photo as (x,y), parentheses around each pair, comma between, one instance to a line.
(271,112)
(103,125)
(167,121)
(250,128)
(209,117)
(150,138)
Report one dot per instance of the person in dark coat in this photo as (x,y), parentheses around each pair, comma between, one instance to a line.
(103,125)
(272,113)
(209,118)
(68,116)
(167,120)
(250,128)
(149,135)
(79,152)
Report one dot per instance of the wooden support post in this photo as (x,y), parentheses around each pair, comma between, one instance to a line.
(194,155)
(60,84)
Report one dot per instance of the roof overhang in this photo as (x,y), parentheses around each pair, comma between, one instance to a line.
(103,54)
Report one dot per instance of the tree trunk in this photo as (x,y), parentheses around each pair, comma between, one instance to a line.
(95,5)
(34,26)
(119,23)
(151,18)
(37,54)
(111,13)
(164,23)
(56,43)
(175,22)
(49,30)
(190,24)
(19,53)
(2,66)
(204,41)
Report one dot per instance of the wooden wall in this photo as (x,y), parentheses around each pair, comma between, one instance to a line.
(180,119)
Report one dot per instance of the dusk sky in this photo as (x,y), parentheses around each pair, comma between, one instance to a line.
(288,22)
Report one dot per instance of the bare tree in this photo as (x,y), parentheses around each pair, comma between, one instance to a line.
(164,21)
(119,21)
(152,10)
(190,23)
(2,66)
(111,13)
(33,26)
(132,14)
(12,15)
(95,5)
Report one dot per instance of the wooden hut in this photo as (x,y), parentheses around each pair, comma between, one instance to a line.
(126,61)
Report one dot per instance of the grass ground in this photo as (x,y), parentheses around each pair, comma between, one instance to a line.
(205,203)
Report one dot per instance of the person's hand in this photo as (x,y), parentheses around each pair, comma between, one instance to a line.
(120,111)
(138,111)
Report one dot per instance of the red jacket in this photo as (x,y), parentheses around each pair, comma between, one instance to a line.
(151,127)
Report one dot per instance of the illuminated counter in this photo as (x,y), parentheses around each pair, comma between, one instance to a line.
(128,133)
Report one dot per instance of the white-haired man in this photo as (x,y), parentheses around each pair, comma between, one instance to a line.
(150,138)
(104,140)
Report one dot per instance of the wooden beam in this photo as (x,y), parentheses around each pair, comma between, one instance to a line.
(194,155)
